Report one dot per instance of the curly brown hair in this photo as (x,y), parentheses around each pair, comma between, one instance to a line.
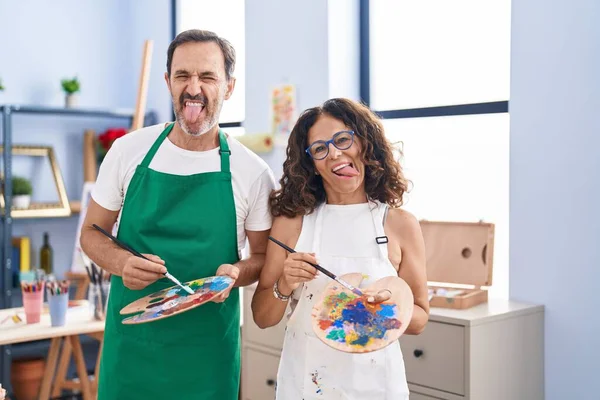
(302,190)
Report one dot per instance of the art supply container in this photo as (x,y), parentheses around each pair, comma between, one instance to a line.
(98,299)
(32,303)
(58,303)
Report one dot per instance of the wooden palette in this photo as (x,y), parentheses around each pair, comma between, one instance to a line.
(174,300)
(348,323)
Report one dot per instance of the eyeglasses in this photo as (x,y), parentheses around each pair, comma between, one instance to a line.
(320,149)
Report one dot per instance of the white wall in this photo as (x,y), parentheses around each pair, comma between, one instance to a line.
(555,191)
(344,48)
(288,41)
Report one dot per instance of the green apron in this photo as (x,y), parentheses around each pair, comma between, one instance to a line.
(190,222)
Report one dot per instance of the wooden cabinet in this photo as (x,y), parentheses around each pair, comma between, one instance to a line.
(493,351)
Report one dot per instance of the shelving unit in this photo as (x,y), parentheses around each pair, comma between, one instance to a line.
(6,219)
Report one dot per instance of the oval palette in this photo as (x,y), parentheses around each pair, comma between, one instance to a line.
(349,323)
(174,300)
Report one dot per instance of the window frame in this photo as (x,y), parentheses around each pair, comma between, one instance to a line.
(421,112)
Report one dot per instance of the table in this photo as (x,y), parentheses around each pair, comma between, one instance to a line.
(79,322)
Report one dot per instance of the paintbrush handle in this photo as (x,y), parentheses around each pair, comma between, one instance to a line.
(317,266)
(119,243)
(323,270)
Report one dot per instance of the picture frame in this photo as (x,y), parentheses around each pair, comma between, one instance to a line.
(37,209)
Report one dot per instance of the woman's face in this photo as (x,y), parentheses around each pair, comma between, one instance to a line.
(342,170)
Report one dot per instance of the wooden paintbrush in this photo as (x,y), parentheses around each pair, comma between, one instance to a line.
(323,270)
(135,253)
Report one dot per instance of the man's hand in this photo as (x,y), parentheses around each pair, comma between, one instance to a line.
(233,272)
(138,273)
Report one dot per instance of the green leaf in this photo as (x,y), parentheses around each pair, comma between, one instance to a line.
(21,186)
(70,86)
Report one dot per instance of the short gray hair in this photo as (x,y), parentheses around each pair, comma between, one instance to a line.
(199,36)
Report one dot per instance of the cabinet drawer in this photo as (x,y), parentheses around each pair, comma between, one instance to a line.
(259,375)
(270,337)
(419,396)
(436,357)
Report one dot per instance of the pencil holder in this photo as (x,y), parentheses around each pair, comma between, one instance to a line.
(33,299)
(58,304)
(58,301)
(98,299)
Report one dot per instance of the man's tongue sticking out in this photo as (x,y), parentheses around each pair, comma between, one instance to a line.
(191,111)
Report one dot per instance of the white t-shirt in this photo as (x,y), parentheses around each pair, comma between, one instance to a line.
(252,179)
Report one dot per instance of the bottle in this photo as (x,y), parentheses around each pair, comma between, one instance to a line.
(46,255)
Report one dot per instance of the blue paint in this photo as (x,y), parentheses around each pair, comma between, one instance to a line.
(362,340)
(338,323)
(387,310)
(357,313)
(220,283)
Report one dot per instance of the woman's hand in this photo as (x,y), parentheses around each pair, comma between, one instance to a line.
(378,296)
(297,270)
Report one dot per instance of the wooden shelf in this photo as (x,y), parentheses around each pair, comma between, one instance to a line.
(75,207)
(40,210)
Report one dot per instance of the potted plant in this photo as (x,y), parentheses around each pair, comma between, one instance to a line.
(21,190)
(1,86)
(71,87)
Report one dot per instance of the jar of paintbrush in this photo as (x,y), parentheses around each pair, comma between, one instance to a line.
(33,299)
(98,291)
(58,301)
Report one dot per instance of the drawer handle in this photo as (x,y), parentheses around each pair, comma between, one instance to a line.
(418,353)
(270,382)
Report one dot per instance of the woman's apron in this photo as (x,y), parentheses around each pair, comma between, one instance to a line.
(190,222)
(309,369)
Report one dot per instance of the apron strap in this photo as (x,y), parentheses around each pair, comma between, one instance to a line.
(150,155)
(224,152)
(379,215)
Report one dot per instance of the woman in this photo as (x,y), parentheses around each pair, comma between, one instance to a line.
(341,189)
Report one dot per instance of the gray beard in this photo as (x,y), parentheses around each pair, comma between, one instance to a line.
(205,126)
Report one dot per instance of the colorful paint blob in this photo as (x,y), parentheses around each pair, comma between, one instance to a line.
(351,320)
(175,300)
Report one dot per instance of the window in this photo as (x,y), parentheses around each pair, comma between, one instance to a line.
(438,73)
(227,19)
(439,52)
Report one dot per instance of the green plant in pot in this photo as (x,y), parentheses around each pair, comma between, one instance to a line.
(1,85)
(21,190)
(71,87)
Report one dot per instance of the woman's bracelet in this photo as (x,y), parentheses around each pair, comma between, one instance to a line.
(278,294)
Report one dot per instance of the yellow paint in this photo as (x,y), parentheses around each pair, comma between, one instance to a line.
(351,337)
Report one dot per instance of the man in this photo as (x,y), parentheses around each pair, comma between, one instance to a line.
(187,196)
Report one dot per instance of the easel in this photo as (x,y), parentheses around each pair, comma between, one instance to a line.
(81,280)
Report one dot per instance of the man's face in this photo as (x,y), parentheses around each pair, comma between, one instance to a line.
(198,86)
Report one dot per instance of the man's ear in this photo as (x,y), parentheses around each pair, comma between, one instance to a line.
(230,87)
(168,81)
